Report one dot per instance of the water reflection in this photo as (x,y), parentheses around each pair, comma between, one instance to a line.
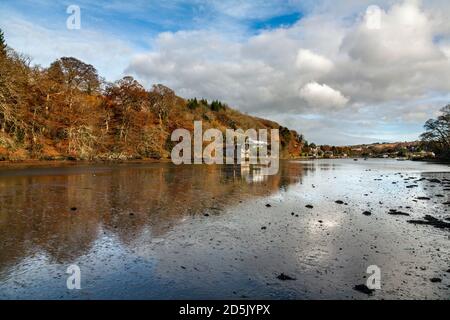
(60,212)
(161,231)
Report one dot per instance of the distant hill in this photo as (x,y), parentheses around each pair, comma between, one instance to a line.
(387,145)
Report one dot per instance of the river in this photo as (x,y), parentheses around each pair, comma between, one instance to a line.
(160,231)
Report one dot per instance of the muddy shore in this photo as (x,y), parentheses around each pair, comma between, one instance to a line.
(157,231)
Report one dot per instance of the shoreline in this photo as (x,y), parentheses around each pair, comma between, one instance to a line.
(43,163)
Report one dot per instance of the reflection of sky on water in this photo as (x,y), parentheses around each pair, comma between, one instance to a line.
(140,230)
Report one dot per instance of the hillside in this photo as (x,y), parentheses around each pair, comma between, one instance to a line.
(66,111)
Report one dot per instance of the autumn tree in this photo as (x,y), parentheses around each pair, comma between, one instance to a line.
(14,94)
(126,97)
(63,112)
(77,74)
(161,100)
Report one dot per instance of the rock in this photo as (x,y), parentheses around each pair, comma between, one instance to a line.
(447,203)
(339,202)
(394,212)
(367,213)
(206,214)
(320,221)
(434,180)
(263,228)
(268,205)
(73,208)
(364,289)
(423,198)
(431,221)
(131,214)
(439,195)
(436,280)
(309,206)
(284,277)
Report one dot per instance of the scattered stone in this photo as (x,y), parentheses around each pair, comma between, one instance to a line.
(412,186)
(320,221)
(284,277)
(263,228)
(436,280)
(131,214)
(431,221)
(268,205)
(364,289)
(397,213)
(309,206)
(434,180)
(206,214)
(439,195)
(73,208)
(367,213)
(423,198)
(339,202)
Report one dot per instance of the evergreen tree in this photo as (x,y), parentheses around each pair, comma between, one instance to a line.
(2,44)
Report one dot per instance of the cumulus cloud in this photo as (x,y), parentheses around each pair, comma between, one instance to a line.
(325,63)
(334,63)
(308,61)
(322,96)
(45,45)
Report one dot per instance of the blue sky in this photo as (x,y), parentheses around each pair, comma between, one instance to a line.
(138,23)
(134,20)
(315,66)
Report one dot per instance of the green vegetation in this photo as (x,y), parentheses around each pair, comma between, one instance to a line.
(2,44)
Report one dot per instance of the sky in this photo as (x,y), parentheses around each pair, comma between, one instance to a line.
(339,72)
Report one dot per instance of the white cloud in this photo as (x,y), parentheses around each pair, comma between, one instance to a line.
(109,55)
(328,64)
(322,96)
(308,61)
(324,64)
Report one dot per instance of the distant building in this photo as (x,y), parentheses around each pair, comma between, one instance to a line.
(328,154)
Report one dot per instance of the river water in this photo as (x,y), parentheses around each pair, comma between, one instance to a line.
(160,231)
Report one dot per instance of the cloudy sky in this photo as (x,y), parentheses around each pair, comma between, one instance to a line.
(341,72)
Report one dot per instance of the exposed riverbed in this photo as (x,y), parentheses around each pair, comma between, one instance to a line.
(158,231)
